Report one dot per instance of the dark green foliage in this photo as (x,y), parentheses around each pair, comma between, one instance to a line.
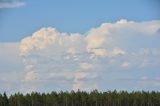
(82,98)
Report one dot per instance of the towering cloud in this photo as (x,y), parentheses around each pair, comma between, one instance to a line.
(83,61)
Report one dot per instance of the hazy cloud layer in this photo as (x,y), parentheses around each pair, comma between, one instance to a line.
(11,68)
(103,58)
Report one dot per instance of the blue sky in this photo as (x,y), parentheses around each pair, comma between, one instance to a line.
(58,45)
(71,16)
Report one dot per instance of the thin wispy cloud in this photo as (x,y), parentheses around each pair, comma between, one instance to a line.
(11,3)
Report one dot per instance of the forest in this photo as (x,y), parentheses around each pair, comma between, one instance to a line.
(82,98)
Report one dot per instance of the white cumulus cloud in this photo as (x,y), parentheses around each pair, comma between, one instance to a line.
(87,61)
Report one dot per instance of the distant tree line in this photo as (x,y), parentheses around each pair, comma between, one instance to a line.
(82,98)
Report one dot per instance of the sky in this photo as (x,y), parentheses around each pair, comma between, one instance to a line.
(53,45)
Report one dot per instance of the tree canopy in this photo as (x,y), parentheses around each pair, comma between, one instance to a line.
(82,98)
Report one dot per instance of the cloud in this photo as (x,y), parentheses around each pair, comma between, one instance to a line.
(76,61)
(86,65)
(11,68)
(144,82)
(11,3)
(9,55)
(112,56)
(125,64)
(53,53)
(30,76)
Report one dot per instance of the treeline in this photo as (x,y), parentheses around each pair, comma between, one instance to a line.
(82,98)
